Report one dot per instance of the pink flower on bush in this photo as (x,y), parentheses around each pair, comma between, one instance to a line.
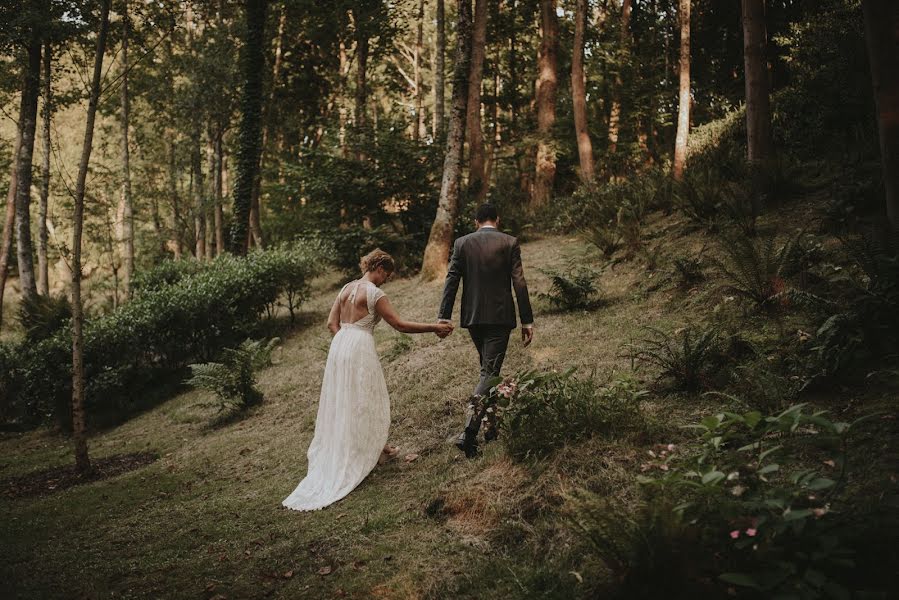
(751,532)
(735,534)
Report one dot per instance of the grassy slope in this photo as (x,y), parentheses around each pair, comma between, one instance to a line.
(207,514)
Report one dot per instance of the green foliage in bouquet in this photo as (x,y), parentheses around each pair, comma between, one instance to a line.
(233,379)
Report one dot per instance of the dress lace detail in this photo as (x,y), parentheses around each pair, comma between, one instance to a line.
(353,413)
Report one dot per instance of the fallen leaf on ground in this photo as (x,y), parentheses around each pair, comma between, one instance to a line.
(411,457)
(288,574)
(359,565)
(324,571)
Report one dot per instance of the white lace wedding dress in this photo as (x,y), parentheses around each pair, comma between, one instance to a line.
(353,412)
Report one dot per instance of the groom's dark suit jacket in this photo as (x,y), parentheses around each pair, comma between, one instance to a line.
(487,262)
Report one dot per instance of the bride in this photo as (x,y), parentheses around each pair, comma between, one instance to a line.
(354,408)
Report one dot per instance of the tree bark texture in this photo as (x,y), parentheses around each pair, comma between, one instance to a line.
(28,124)
(437,251)
(683,110)
(43,269)
(418,128)
(615,111)
(547,87)
(440,70)
(758,103)
(9,223)
(579,94)
(126,239)
(477,157)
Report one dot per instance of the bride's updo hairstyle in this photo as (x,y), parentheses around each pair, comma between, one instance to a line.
(377,258)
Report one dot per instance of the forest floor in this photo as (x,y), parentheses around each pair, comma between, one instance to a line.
(205,519)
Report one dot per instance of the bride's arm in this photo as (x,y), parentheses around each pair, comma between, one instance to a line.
(385,309)
(334,317)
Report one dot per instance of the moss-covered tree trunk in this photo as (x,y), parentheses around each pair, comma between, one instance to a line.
(882,35)
(28,125)
(250,133)
(437,251)
(82,461)
(579,94)
(547,88)
(683,108)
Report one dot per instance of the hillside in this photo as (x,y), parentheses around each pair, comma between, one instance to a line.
(204,520)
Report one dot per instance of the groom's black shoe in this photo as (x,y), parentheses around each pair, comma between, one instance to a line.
(467,441)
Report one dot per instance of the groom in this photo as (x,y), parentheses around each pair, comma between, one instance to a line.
(488,263)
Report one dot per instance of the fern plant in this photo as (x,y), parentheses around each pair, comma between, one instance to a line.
(757,268)
(233,380)
(42,316)
(573,290)
(688,270)
(687,358)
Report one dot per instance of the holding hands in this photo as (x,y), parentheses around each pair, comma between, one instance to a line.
(443,329)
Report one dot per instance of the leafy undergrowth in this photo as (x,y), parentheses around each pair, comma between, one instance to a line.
(205,519)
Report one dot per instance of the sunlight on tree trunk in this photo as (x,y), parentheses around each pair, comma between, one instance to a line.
(477,167)
(579,94)
(43,281)
(683,110)
(615,111)
(82,461)
(882,36)
(547,86)
(28,124)
(250,136)
(436,256)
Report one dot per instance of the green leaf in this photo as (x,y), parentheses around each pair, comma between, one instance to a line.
(769,469)
(795,515)
(752,418)
(713,477)
(821,483)
(741,579)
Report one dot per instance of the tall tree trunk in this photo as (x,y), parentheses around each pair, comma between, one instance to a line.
(341,108)
(196,177)
(251,121)
(256,234)
(882,35)
(209,197)
(43,280)
(495,135)
(28,123)
(440,70)
(547,86)
(758,103)
(437,251)
(176,203)
(615,112)
(477,165)
(217,185)
(361,96)
(82,461)
(126,239)
(418,129)
(579,94)
(9,222)
(683,110)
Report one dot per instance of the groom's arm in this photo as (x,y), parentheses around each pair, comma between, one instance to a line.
(451,284)
(521,288)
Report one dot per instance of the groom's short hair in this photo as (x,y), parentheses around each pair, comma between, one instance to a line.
(486,212)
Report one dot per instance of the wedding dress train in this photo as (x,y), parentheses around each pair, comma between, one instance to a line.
(353,413)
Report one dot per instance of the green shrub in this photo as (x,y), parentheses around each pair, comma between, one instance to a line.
(573,290)
(233,379)
(611,216)
(756,268)
(539,413)
(136,353)
(42,316)
(768,486)
(688,358)
(688,270)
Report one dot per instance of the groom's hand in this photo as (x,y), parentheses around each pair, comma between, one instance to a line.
(527,336)
(444,328)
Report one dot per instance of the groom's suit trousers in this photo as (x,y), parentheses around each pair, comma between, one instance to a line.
(491,342)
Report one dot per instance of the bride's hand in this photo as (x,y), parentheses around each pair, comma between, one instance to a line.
(443,329)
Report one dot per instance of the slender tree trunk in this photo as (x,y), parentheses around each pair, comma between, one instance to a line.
(579,94)
(251,125)
(758,103)
(217,192)
(495,132)
(43,280)
(547,86)
(82,461)
(437,251)
(361,96)
(440,71)
(477,165)
(615,112)
(9,222)
(882,35)
(126,239)
(209,197)
(418,129)
(256,234)
(683,111)
(341,109)
(176,203)
(28,123)
(199,210)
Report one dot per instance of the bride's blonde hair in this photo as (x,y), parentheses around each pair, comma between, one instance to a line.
(377,258)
